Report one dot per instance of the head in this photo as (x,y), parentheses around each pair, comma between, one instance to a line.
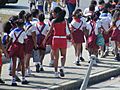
(56,11)
(13,20)
(101,2)
(41,17)
(35,13)
(77,13)
(20,23)
(93,2)
(28,17)
(92,8)
(108,6)
(22,15)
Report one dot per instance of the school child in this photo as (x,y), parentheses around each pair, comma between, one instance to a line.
(92,47)
(40,5)
(77,26)
(104,24)
(59,41)
(31,42)
(1,49)
(41,32)
(32,3)
(116,33)
(16,50)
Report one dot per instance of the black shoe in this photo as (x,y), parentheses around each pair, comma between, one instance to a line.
(10,73)
(25,82)
(17,79)
(1,81)
(37,68)
(78,63)
(117,57)
(14,84)
(82,59)
(41,69)
(62,73)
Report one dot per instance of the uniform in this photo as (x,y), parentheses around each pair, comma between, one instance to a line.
(29,45)
(78,35)
(116,33)
(17,47)
(59,37)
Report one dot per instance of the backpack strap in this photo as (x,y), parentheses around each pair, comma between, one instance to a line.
(28,27)
(79,26)
(40,31)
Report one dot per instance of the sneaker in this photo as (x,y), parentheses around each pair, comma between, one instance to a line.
(1,81)
(37,68)
(117,57)
(56,74)
(41,69)
(82,59)
(10,73)
(25,82)
(17,79)
(62,73)
(14,84)
(77,63)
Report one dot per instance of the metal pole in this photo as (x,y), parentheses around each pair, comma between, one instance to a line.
(85,81)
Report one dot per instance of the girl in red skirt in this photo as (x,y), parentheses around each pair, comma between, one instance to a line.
(91,38)
(77,34)
(116,33)
(16,49)
(30,42)
(59,41)
(42,30)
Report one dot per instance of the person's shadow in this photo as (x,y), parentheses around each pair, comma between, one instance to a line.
(13,7)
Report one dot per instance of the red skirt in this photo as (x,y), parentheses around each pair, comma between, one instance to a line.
(78,36)
(29,45)
(116,35)
(59,43)
(107,36)
(0,59)
(16,50)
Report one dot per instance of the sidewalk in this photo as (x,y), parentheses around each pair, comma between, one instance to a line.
(74,75)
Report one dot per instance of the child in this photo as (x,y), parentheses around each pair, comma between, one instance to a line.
(42,30)
(31,41)
(116,33)
(16,50)
(77,26)
(1,49)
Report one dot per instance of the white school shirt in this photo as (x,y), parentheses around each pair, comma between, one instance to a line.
(44,31)
(118,24)
(21,38)
(105,22)
(30,30)
(77,24)
(89,27)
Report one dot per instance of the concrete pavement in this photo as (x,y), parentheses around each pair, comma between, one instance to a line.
(74,75)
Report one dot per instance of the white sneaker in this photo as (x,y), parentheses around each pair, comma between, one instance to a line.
(56,74)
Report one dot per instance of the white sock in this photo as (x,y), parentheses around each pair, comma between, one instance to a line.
(62,67)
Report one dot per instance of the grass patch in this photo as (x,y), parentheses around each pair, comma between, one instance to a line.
(5,17)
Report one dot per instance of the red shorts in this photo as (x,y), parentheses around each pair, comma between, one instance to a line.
(59,43)
(78,36)
(0,59)
(29,45)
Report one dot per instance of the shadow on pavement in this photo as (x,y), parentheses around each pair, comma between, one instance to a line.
(13,7)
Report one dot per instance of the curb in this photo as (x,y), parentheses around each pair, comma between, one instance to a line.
(95,78)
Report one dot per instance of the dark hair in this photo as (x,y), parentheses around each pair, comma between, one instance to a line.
(77,13)
(41,17)
(20,22)
(101,2)
(105,10)
(108,5)
(110,1)
(60,17)
(94,2)
(27,16)
(116,1)
(7,27)
(92,8)
(34,12)
(21,14)
(13,19)
(57,10)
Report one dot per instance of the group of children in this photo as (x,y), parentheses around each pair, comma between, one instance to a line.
(98,26)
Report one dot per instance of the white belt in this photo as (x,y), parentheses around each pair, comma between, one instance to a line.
(59,36)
